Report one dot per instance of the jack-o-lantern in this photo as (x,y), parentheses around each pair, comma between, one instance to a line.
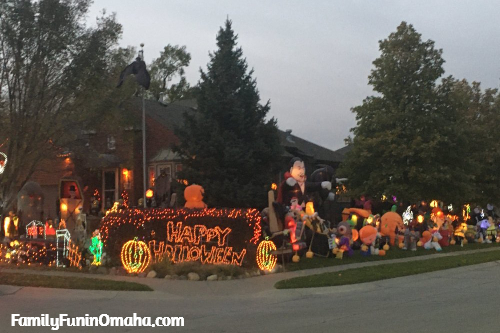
(265,260)
(194,196)
(135,256)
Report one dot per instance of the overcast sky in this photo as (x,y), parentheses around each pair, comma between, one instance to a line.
(312,58)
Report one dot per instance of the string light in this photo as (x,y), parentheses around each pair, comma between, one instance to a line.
(62,236)
(135,256)
(125,198)
(185,240)
(96,248)
(74,256)
(35,229)
(265,259)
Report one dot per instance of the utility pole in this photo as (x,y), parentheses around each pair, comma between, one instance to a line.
(144,171)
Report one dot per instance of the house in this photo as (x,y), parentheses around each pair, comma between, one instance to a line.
(110,166)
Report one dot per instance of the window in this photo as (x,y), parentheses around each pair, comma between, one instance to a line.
(111,142)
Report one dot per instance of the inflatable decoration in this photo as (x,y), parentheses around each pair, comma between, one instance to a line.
(390,222)
(407,216)
(296,186)
(194,196)
(368,234)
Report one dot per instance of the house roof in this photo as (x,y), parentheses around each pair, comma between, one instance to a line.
(344,150)
(171,115)
(295,145)
(165,155)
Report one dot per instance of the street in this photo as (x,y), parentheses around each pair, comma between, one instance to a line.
(461,299)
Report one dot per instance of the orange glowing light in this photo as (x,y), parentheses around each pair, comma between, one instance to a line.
(274,186)
(420,218)
(64,207)
(149,194)
(135,256)
(265,260)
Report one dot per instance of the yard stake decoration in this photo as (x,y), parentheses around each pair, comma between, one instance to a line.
(135,256)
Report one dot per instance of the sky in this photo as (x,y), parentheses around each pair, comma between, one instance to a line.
(312,59)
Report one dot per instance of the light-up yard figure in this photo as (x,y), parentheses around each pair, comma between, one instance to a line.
(96,248)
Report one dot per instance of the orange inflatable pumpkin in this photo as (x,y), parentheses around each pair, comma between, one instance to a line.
(391,221)
(194,196)
(426,236)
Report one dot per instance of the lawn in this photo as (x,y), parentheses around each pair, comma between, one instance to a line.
(393,253)
(387,271)
(54,281)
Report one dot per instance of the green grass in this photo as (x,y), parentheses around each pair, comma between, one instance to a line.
(51,281)
(393,253)
(386,271)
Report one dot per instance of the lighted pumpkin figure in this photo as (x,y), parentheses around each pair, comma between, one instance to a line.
(135,256)
(265,259)
(194,196)
(309,254)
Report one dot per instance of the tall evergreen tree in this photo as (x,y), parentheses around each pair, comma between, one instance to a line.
(408,139)
(227,145)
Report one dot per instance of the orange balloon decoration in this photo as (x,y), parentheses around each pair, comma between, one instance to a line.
(355,235)
(136,256)
(265,260)
(194,196)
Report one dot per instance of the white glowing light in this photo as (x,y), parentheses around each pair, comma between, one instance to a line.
(407,216)
(3,163)
(65,238)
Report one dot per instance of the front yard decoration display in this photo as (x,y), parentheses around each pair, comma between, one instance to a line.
(208,236)
(135,256)
(265,259)
(96,248)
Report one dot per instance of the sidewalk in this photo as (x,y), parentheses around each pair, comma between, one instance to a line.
(254,285)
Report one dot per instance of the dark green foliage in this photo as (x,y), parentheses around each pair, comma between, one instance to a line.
(410,140)
(227,145)
(54,74)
